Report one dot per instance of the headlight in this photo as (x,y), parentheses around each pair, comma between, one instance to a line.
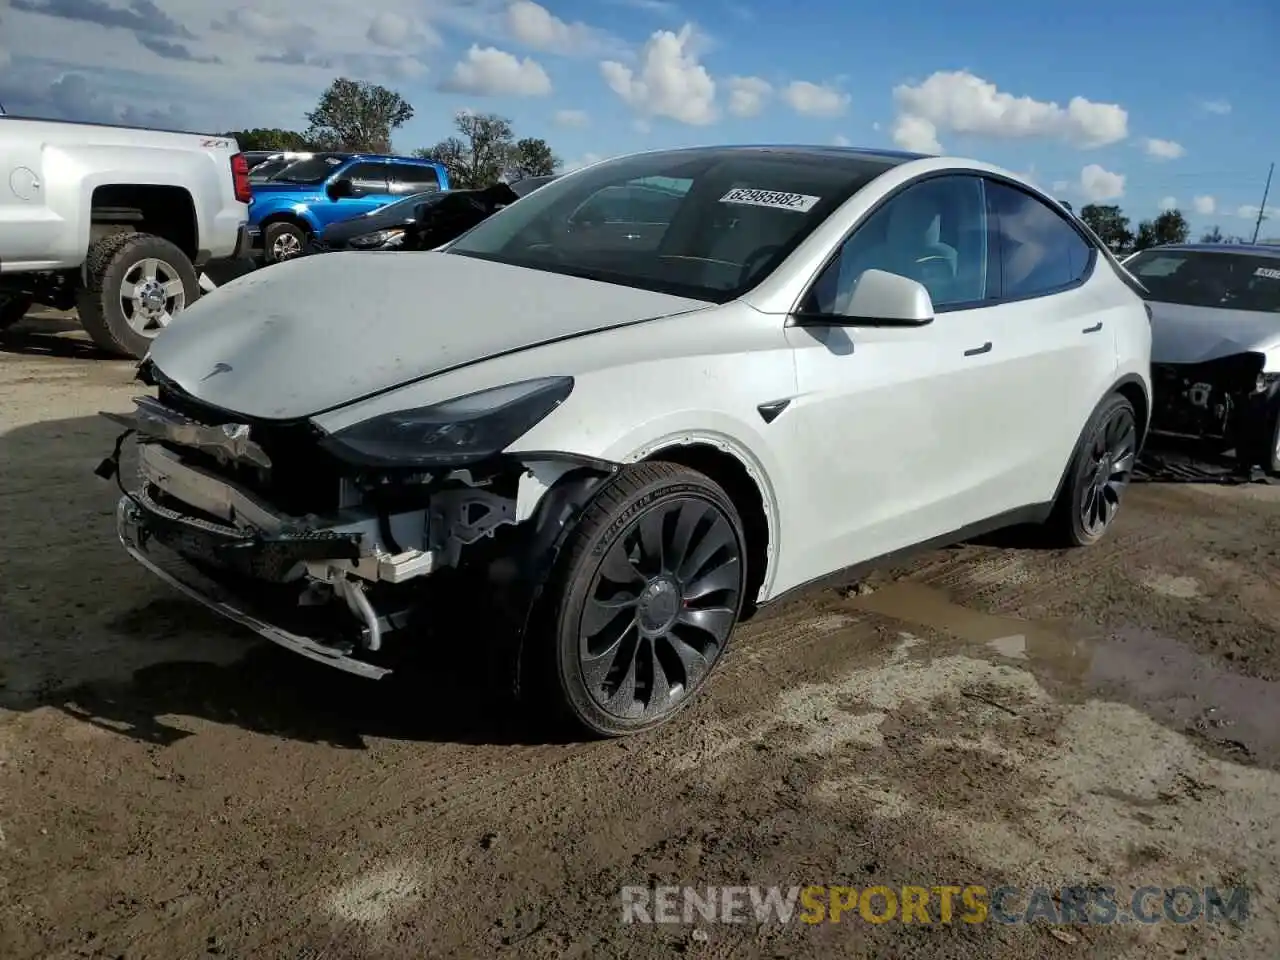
(377,238)
(453,433)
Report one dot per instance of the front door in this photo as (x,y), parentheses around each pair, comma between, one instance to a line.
(369,191)
(904,431)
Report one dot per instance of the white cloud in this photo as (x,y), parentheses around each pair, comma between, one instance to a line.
(747,95)
(535,26)
(1250,212)
(840,140)
(1204,205)
(488,71)
(1098,184)
(1061,186)
(570,118)
(916,134)
(391,30)
(959,102)
(1168,203)
(1163,149)
(815,100)
(1220,107)
(669,82)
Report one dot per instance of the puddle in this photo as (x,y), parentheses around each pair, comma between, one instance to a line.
(1161,677)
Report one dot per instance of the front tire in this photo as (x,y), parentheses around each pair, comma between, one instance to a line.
(136,284)
(1100,470)
(640,610)
(283,241)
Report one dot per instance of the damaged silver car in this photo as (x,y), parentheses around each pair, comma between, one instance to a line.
(1215,346)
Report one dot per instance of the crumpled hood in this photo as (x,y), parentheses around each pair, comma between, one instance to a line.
(1182,334)
(318,332)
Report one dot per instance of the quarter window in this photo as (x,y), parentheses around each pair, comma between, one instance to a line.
(934,232)
(1040,252)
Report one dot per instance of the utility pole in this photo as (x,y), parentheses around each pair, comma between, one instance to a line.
(1262,210)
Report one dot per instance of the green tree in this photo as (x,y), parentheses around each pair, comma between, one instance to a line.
(1212,236)
(1171,227)
(273,138)
(531,157)
(1111,226)
(357,115)
(481,155)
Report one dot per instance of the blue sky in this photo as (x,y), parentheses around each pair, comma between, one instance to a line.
(1139,103)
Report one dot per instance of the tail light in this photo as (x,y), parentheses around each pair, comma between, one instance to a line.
(240,176)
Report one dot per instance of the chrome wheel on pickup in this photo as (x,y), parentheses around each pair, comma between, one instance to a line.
(136,284)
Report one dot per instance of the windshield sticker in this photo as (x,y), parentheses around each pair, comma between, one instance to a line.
(801,203)
(1267,272)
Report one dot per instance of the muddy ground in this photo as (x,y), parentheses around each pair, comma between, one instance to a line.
(987,714)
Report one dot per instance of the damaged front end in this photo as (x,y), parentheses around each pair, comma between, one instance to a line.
(1227,403)
(319,549)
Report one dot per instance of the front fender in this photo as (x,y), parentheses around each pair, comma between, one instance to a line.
(267,208)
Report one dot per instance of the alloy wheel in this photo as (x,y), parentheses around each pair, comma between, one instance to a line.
(151,294)
(1108,470)
(286,246)
(660,610)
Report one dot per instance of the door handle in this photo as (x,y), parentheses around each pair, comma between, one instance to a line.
(1094,329)
(975,351)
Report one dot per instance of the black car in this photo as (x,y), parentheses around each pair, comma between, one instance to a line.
(423,221)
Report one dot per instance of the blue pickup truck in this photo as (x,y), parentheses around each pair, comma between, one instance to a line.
(299,201)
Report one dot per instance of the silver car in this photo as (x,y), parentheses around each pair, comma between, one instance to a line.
(1215,345)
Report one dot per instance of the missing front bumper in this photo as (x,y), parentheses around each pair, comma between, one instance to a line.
(169,566)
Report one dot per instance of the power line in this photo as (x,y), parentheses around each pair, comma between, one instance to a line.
(1262,207)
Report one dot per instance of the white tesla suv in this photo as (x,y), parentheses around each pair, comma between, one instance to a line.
(614,418)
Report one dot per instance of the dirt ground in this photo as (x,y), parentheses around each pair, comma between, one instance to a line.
(989,714)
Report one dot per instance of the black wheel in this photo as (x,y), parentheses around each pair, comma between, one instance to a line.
(1271,453)
(1100,471)
(283,241)
(136,284)
(13,307)
(642,605)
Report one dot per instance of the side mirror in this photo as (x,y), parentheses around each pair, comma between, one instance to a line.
(340,188)
(880,299)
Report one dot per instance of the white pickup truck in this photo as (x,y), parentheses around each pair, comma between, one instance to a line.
(114,221)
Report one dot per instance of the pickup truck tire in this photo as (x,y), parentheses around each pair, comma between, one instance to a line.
(282,241)
(14,308)
(135,284)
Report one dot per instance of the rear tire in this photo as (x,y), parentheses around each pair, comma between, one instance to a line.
(283,241)
(136,284)
(1098,475)
(644,598)
(13,308)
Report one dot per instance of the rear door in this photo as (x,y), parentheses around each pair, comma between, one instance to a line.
(405,179)
(1061,355)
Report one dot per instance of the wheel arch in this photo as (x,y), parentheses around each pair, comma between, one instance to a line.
(742,483)
(287,216)
(1132,388)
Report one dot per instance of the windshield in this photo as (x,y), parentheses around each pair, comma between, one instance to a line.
(704,224)
(1226,281)
(311,170)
